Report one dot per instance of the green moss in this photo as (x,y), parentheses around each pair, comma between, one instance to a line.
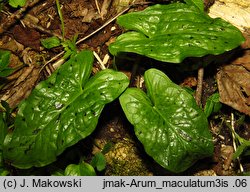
(124,160)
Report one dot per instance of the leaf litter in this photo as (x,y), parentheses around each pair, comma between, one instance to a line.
(233,82)
(115,126)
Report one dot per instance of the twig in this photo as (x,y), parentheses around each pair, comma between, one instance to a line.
(98,7)
(17,15)
(198,93)
(52,59)
(99,60)
(104,25)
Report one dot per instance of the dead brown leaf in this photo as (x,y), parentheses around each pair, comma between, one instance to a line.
(244,61)
(27,37)
(189,82)
(234,87)
(233,80)
(246,44)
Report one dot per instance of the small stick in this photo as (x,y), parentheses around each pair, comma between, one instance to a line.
(198,93)
(104,25)
(99,60)
(98,7)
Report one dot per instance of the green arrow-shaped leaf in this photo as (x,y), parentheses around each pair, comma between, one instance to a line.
(170,33)
(172,128)
(61,111)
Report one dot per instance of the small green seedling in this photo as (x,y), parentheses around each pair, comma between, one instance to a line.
(69,45)
(213,104)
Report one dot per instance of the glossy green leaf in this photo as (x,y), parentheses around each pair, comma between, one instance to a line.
(17,3)
(198,3)
(170,33)
(51,42)
(83,169)
(167,121)
(61,111)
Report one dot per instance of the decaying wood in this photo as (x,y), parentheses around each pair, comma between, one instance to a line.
(17,15)
(22,87)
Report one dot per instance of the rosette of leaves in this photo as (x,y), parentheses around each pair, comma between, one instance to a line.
(168,122)
(172,32)
(61,111)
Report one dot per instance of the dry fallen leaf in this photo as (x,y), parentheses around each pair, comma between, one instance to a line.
(26,36)
(233,80)
(189,82)
(234,87)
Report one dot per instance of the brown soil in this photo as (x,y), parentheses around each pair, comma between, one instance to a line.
(126,156)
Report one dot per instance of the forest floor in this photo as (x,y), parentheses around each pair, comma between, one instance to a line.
(88,19)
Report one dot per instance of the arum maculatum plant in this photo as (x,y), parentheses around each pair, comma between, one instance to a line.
(61,111)
(65,108)
(166,119)
(171,33)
